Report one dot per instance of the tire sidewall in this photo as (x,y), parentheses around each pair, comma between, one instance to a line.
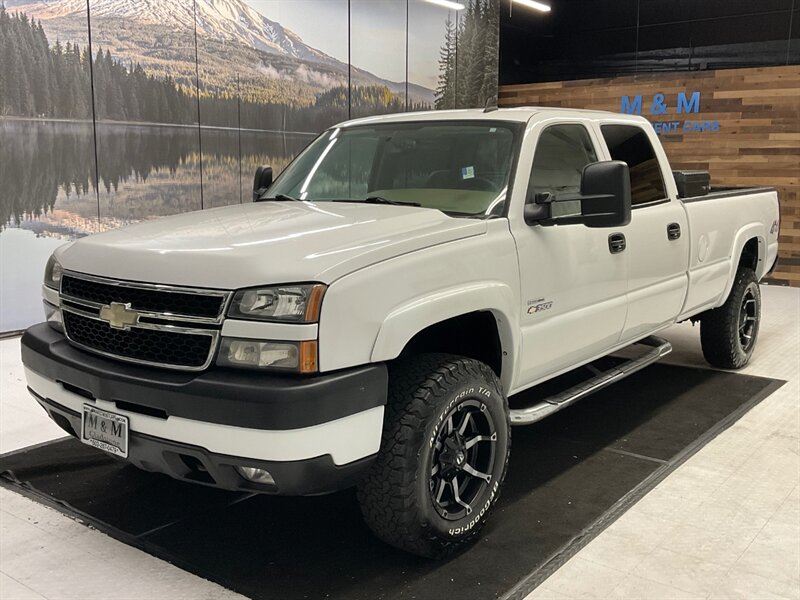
(488,393)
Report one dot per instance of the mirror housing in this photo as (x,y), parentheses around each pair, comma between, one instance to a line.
(261,181)
(605,198)
(606,194)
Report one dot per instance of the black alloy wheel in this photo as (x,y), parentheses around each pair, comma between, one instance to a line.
(748,318)
(462,459)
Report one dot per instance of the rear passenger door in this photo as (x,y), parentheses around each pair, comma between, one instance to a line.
(657,237)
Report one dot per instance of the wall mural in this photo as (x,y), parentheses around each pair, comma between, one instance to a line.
(171,104)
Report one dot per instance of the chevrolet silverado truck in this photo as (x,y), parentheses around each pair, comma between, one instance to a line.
(364,321)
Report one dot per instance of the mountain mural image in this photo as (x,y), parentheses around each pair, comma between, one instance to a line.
(177,102)
(239,50)
(222,20)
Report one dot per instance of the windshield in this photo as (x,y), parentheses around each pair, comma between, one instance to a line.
(458,167)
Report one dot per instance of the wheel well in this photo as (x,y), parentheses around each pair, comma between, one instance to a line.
(749,257)
(473,335)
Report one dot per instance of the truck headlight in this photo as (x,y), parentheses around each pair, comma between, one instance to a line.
(300,357)
(283,303)
(52,273)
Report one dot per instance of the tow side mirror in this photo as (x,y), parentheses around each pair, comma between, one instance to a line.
(261,181)
(606,194)
(605,198)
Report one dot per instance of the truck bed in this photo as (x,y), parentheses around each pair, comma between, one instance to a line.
(717,192)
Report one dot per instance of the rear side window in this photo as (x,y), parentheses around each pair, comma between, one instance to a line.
(630,144)
(561,154)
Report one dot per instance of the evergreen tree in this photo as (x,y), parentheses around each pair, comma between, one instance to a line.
(491,49)
(467,46)
(474,75)
(445,90)
(41,70)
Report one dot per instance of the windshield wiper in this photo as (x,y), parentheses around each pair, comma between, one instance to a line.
(279,197)
(382,200)
(379,200)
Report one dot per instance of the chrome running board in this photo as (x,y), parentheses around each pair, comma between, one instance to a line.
(552,404)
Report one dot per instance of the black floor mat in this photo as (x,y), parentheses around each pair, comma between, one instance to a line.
(569,477)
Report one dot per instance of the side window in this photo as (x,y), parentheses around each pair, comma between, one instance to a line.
(561,154)
(631,144)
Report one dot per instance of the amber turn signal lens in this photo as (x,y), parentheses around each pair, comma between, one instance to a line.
(308,357)
(314,303)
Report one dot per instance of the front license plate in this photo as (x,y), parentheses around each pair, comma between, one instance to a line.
(105,430)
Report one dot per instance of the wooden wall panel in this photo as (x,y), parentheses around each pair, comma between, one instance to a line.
(758,142)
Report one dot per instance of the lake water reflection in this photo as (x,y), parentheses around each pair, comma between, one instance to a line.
(47,184)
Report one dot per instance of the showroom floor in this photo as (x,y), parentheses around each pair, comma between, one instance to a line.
(726,524)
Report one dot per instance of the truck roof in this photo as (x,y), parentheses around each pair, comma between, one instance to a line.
(519,114)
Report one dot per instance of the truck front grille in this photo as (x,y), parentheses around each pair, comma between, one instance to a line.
(151,299)
(164,348)
(164,326)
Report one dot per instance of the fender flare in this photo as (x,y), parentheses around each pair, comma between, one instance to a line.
(745,234)
(415,315)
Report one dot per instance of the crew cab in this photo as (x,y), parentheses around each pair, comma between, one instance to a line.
(364,321)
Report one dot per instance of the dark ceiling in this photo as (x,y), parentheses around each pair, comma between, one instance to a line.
(582,39)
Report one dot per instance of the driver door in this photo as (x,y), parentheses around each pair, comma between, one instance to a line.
(572,282)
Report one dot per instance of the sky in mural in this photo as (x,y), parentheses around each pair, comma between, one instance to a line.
(313,20)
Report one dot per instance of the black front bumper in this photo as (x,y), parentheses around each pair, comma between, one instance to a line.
(224,396)
(221,396)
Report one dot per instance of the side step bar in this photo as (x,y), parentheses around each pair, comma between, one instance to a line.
(548,406)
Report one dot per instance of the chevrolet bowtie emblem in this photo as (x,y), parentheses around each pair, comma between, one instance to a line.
(119,315)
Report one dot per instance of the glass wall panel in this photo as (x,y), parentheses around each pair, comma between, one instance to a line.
(295,83)
(222,54)
(431,55)
(47,168)
(476,53)
(146,109)
(377,57)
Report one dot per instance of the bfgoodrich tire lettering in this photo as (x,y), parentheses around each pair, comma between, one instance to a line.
(444,413)
(728,334)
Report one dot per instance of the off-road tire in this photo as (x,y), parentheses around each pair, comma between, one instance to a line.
(721,333)
(396,496)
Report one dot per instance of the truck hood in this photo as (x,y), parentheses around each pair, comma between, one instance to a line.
(262,243)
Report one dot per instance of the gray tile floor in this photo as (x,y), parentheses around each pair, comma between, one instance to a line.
(726,524)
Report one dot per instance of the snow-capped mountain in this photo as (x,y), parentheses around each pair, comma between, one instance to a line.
(232,35)
(232,21)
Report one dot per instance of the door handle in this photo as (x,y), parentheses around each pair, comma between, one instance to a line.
(673,231)
(616,243)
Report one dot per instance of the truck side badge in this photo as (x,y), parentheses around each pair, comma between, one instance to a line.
(539,305)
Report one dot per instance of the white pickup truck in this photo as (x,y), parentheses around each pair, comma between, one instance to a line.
(365,320)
